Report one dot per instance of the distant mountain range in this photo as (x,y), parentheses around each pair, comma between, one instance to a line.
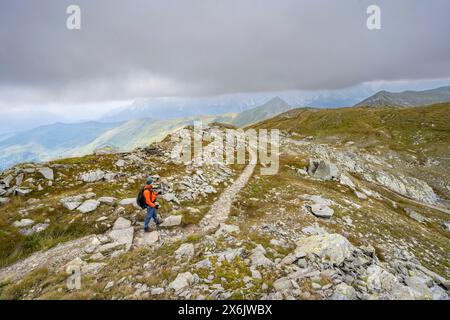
(77,139)
(407,98)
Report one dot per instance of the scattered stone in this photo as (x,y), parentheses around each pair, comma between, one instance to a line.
(227,229)
(171,221)
(321,210)
(150,238)
(360,195)
(205,263)
(121,223)
(92,176)
(344,292)
(107,200)
(416,216)
(258,257)
(182,281)
(71,203)
(282,284)
(88,206)
(23,223)
(331,248)
(185,250)
(47,173)
(156,291)
(120,163)
(128,202)
(323,170)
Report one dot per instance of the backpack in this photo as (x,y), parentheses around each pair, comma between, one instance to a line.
(140,199)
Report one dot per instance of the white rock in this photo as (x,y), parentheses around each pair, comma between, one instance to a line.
(150,238)
(128,202)
(120,163)
(258,257)
(182,281)
(185,250)
(123,236)
(171,221)
(23,223)
(321,210)
(92,176)
(282,284)
(71,203)
(121,223)
(88,206)
(332,248)
(227,229)
(47,173)
(107,200)
(344,292)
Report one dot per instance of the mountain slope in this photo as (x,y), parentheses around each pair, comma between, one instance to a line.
(47,142)
(64,140)
(270,109)
(407,98)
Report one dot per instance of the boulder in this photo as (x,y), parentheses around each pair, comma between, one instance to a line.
(346,181)
(47,173)
(321,210)
(88,206)
(171,221)
(128,202)
(344,292)
(170,197)
(7,180)
(71,203)
(123,236)
(92,176)
(323,170)
(205,263)
(182,281)
(331,248)
(107,200)
(121,223)
(282,284)
(19,179)
(150,238)
(185,250)
(23,223)
(120,163)
(258,257)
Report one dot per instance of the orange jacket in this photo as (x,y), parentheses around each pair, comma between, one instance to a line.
(150,196)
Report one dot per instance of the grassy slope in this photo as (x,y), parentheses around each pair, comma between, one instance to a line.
(398,128)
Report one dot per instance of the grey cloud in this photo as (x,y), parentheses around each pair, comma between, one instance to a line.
(137,48)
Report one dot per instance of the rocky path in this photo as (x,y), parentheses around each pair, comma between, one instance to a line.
(220,209)
(52,259)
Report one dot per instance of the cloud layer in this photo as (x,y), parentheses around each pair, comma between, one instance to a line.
(129,49)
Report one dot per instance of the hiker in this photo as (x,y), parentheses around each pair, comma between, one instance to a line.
(150,195)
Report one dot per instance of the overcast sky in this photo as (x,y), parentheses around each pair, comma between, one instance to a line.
(142,48)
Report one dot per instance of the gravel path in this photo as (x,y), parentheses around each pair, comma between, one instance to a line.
(220,209)
(53,258)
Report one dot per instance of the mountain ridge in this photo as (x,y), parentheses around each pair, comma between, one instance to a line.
(407,98)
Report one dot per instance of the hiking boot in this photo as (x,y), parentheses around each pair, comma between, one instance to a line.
(147,229)
(159,222)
